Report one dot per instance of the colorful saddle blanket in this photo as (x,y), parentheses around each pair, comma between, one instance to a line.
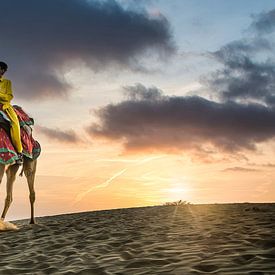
(31,147)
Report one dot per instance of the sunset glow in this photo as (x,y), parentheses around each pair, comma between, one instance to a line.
(176,107)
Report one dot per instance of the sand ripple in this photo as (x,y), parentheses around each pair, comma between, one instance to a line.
(192,239)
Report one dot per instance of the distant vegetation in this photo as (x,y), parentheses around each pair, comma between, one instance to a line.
(180,202)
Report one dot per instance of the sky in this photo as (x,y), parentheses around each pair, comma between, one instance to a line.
(143,102)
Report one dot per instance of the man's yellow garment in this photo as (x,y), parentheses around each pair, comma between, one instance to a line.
(5,98)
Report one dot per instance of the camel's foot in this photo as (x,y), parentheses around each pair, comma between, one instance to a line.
(5,226)
(32,222)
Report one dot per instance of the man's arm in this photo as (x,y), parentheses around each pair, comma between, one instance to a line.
(8,96)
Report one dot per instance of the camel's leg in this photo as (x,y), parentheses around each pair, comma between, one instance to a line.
(11,175)
(2,171)
(29,171)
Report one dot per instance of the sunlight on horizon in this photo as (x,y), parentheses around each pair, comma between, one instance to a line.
(98,176)
(176,193)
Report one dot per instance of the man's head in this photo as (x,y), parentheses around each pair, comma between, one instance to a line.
(3,68)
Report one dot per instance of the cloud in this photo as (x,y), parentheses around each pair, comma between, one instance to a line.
(241,118)
(268,165)
(240,169)
(149,120)
(68,136)
(106,183)
(40,39)
(265,22)
(248,65)
(242,77)
(271,165)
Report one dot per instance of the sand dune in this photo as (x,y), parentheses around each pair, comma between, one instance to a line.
(191,239)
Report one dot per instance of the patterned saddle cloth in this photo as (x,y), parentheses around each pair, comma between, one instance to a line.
(31,147)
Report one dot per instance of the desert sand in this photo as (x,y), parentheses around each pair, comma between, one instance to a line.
(189,239)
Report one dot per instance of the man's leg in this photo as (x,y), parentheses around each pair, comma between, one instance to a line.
(15,129)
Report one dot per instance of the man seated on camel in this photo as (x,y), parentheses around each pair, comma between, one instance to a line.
(5,98)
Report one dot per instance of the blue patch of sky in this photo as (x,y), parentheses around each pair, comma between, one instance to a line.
(206,25)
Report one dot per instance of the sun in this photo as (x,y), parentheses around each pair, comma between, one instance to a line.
(175,193)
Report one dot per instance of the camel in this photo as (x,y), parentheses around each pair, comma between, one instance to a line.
(29,163)
(29,169)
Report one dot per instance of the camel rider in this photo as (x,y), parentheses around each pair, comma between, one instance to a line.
(5,99)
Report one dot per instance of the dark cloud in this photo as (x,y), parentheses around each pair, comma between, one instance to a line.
(248,65)
(243,117)
(264,22)
(242,77)
(140,92)
(149,120)
(68,136)
(40,38)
